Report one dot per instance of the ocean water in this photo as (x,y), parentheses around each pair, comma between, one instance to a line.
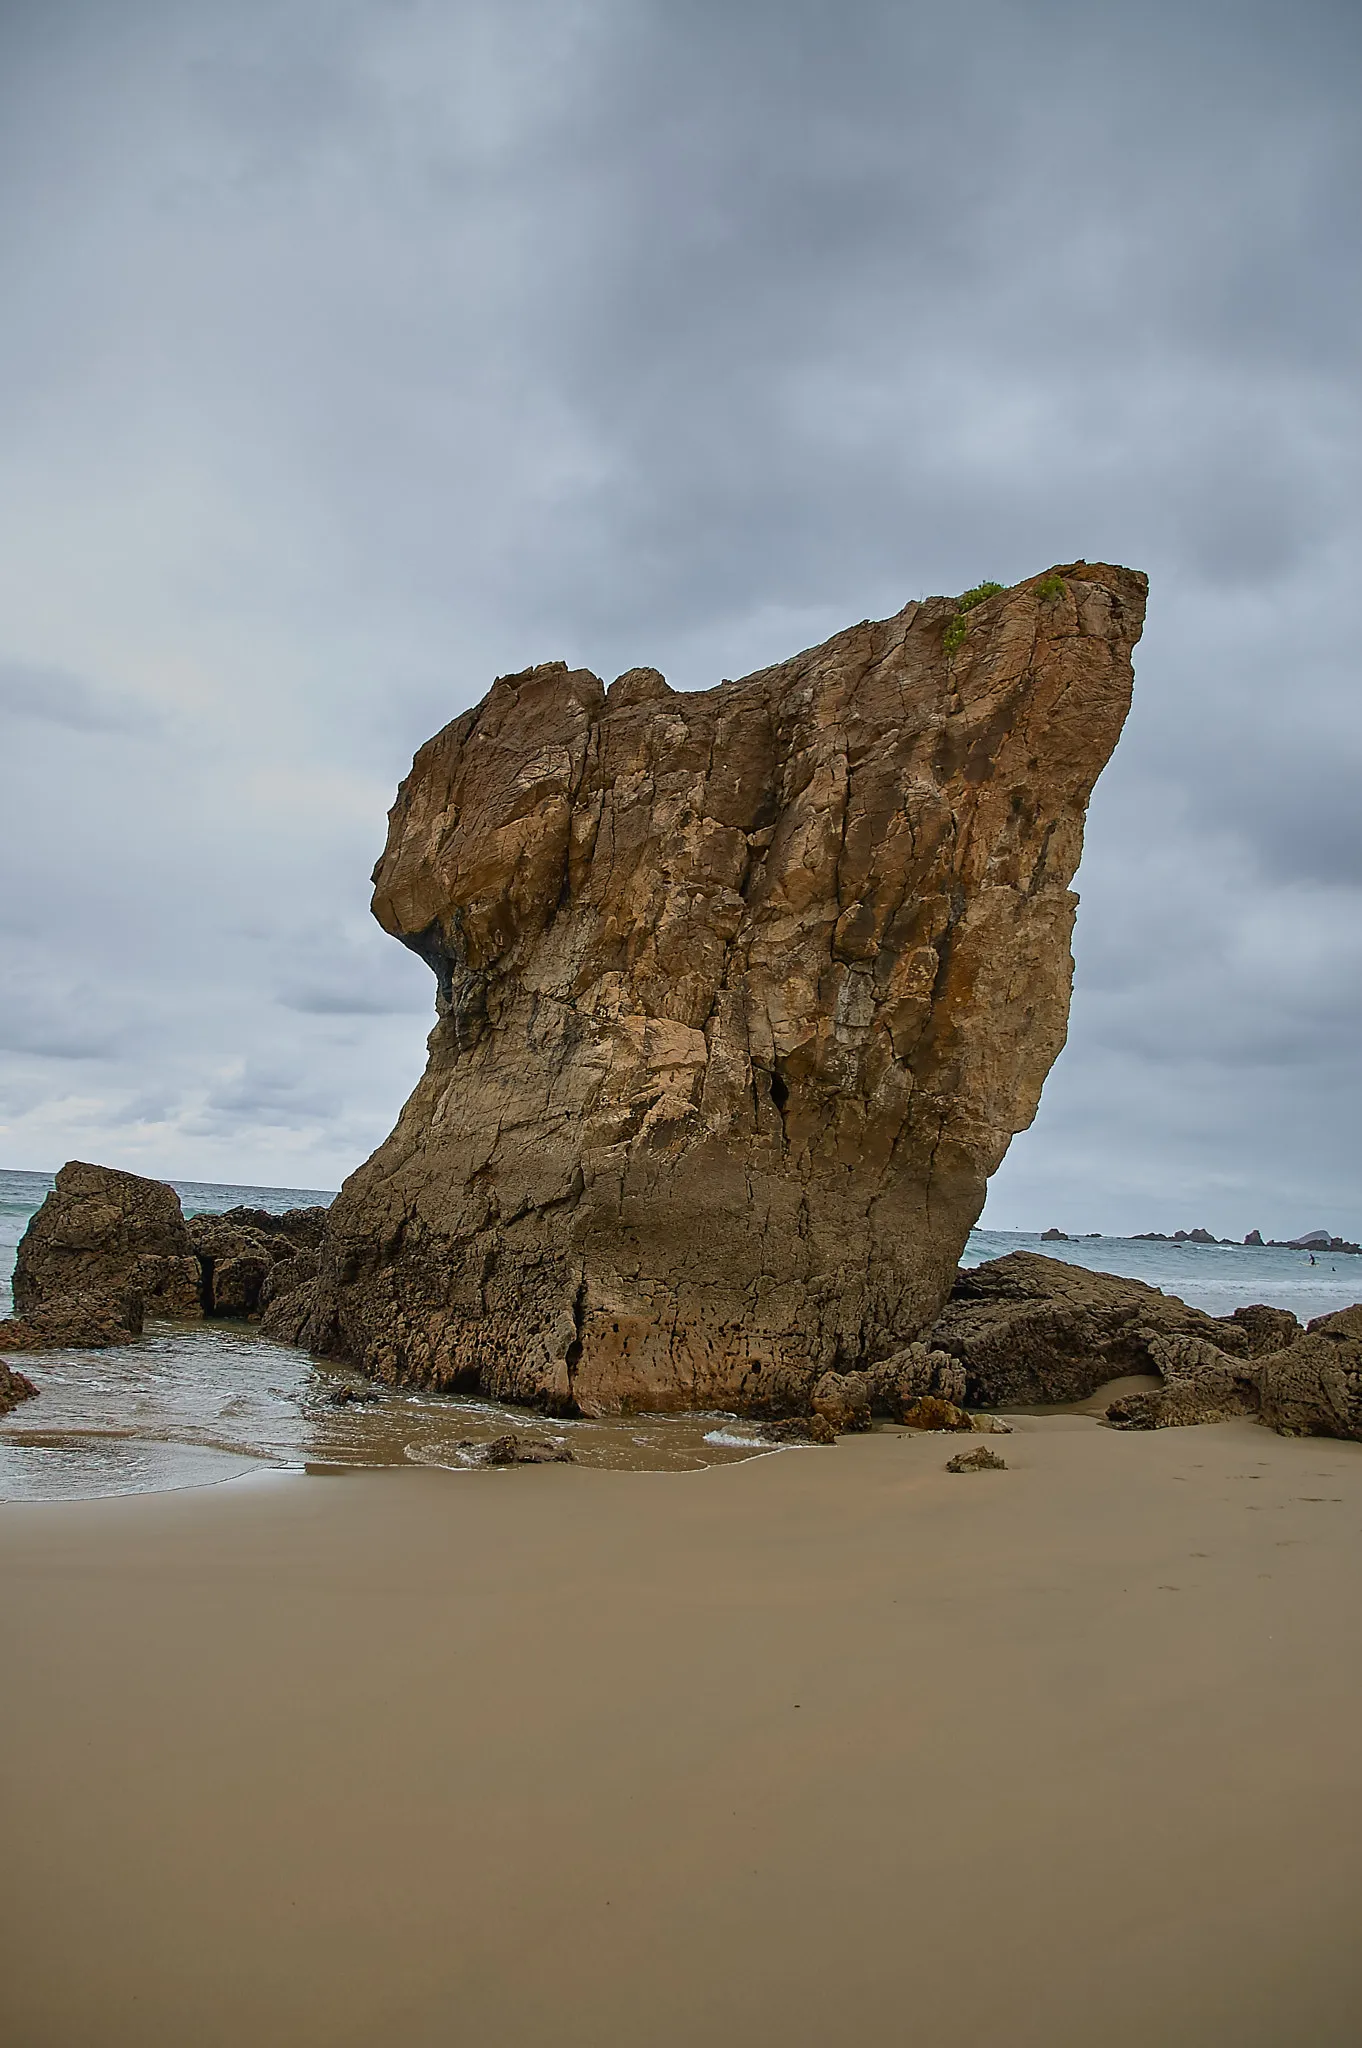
(1217,1277)
(190,1404)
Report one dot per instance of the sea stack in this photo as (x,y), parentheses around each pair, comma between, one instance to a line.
(742,995)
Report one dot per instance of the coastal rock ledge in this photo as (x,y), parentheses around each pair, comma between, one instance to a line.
(742,995)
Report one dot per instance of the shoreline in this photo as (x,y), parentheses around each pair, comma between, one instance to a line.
(835,1746)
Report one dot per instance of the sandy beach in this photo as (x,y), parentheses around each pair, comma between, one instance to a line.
(826,1747)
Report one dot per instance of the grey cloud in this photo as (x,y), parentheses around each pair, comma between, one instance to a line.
(31,690)
(339,974)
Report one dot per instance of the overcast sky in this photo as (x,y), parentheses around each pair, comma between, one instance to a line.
(354,351)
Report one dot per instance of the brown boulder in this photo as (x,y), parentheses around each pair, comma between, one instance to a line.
(929,1411)
(802,1429)
(525,1450)
(109,1233)
(15,1386)
(742,994)
(75,1322)
(843,1401)
(1314,1386)
(1028,1330)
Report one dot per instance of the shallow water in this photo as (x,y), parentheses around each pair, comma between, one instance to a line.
(191,1405)
(186,1406)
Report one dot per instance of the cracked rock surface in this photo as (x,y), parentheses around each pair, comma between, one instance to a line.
(742,995)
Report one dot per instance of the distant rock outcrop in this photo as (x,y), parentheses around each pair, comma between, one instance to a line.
(742,995)
(107,1247)
(108,1233)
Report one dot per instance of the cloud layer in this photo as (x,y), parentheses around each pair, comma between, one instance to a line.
(364,351)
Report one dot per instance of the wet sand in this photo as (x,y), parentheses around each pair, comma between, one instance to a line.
(825,1748)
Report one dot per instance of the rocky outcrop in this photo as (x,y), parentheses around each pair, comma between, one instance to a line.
(742,995)
(106,1240)
(1027,1330)
(75,1322)
(1200,1384)
(303,1228)
(1312,1387)
(15,1386)
(1265,1329)
(108,1233)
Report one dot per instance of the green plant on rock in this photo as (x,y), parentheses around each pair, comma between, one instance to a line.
(1051,589)
(964,605)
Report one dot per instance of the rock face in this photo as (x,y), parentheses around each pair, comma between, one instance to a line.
(742,995)
(108,1233)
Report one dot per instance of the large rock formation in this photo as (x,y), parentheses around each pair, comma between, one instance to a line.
(741,997)
(106,1246)
(109,1233)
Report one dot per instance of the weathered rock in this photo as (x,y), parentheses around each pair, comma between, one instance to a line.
(235,1261)
(15,1386)
(288,1316)
(287,1274)
(843,1401)
(109,1233)
(1267,1329)
(929,1411)
(346,1397)
(1314,1386)
(742,995)
(1200,1384)
(75,1322)
(802,1429)
(982,1460)
(1311,1387)
(1029,1330)
(302,1227)
(901,1379)
(525,1450)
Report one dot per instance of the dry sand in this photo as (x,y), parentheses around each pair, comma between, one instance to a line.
(827,1748)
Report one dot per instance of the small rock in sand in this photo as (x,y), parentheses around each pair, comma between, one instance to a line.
(982,1460)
